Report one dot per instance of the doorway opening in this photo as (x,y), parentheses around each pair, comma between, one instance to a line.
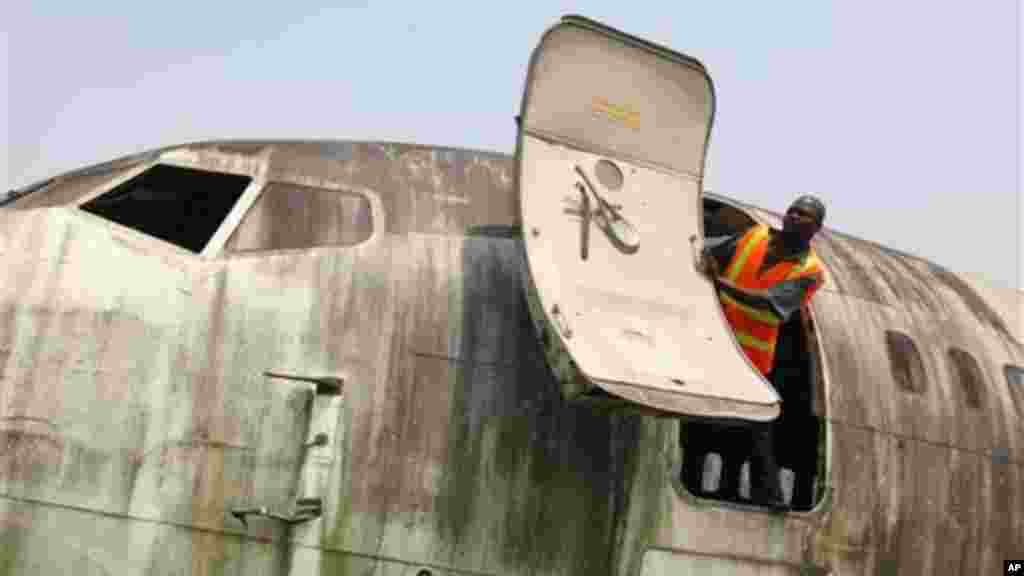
(717,454)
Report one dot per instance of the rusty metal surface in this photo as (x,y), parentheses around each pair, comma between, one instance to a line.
(134,413)
(59,193)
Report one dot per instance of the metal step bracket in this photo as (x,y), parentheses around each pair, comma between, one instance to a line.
(304,510)
(329,385)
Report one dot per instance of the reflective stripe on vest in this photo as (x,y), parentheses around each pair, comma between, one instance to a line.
(748,340)
(748,244)
(760,315)
(809,262)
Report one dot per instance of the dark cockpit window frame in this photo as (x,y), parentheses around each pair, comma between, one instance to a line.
(966,372)
(905,362)
(180,205)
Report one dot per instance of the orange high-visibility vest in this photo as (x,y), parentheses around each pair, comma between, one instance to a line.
(758,330)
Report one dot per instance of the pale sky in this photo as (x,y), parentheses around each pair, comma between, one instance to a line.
(902,115)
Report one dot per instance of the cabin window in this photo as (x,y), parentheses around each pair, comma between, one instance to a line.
(183,206)
(1015,379)
(967,373)
(905,362)
(289,216)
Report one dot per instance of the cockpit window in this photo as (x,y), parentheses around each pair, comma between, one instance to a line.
(183,206)
(1015,378)
(905,362)
(289,216)
(967,373)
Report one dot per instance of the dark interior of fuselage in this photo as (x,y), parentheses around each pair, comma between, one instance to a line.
(717,455)
(183,206)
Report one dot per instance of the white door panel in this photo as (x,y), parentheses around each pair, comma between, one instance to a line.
(610,161)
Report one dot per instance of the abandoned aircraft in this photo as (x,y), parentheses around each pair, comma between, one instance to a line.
(320,358)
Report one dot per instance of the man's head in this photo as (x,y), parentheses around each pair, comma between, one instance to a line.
(804,218)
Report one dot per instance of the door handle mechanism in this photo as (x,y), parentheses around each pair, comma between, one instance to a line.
(620,231)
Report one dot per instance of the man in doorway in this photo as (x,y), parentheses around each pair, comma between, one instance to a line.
(764,276)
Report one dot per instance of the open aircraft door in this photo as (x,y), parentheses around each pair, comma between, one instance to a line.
(610,160)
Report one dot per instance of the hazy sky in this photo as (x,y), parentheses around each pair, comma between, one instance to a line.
(903,115)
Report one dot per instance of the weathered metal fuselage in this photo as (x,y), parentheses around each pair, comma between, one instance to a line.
(136,411)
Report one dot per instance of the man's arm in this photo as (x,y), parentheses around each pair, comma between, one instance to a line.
(781,300)
(787,297)
(718,252)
